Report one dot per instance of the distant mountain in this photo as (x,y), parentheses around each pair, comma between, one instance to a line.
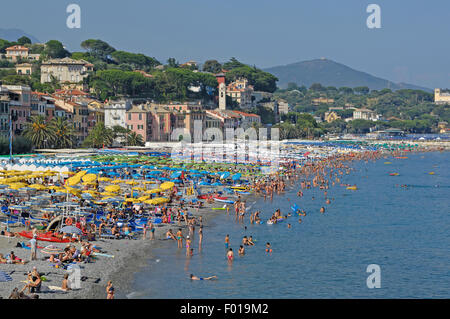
(331,73)
(14,34)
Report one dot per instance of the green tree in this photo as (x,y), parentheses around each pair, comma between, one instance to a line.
(23,40)
(172,63)
(212,66)
(39,132)
(136,60)
(63,132)
(98,48)
(99,136)
(55,49)
(134,139)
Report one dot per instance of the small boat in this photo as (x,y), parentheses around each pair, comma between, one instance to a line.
(354,188)
(401,157)
(431,173)
(393,174)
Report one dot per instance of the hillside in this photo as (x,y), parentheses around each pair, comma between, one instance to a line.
(330,73)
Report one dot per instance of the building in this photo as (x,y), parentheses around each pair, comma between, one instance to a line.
(68,71)
(24,69)
(241,93)
(331,116)
(139,119)
(261,96)
(365,114)
(115,113)
(227,118)
(322,100)
(4,112)
(283,107)
(77,114)
(441,97)
(19,105)
(17,52)
(248,119)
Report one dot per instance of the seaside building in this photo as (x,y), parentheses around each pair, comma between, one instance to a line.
(67,71)
(19,106)
(4,112)
(77,114)
(248,119)
(441,97)
(115,113)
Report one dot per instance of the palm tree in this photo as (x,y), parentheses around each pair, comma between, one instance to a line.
(63,131)
(39,132)
(134,139)
(99,136)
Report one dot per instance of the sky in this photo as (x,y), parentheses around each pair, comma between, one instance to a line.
(412,45)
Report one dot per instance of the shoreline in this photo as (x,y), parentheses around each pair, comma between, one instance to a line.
(130,257)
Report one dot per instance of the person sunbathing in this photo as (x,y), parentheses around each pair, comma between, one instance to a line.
(3,260)
(34,283)
(13,259)
(65,283)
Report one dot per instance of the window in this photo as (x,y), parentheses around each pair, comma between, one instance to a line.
(140,117)
(129,116)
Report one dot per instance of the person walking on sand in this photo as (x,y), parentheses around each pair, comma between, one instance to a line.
(109,290)
(33,247)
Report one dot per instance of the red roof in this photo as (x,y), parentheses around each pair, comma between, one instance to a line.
(246,114)
(17,48)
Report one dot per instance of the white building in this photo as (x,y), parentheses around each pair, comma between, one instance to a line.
(115,113)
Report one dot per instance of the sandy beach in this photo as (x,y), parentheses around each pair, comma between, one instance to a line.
(129,257)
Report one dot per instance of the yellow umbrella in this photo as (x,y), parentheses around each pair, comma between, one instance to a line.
(149,182)
(117,181)
(108,194)
(141,189)
(89,178)
(132,183)
(153,191)
(167,185)
(112,188)
(161,200)
(131,200)
(104,179)
(143,198)
(73,180)
(150,201)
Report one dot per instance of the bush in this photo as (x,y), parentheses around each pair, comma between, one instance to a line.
(21,145)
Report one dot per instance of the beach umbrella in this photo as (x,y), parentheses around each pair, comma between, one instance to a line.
(167,185)
(132,183)
(104,179)
(70,230)
(153,191)
(112,188)
(236,177)
(39,187)
(4,277)
(88,178)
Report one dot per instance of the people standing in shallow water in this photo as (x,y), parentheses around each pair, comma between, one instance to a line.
(322,209)
(227,241)
(230,255)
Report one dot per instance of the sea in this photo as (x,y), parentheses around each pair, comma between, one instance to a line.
(404,231)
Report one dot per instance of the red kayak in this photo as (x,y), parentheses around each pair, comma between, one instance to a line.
(44,237)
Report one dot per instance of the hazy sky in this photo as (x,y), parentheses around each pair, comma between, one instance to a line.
(413,44)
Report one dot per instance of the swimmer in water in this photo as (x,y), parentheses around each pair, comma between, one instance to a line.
(322,209)
(250,241)
(289,225)
(230,254)
(268,248)
(192,277)
(241,250)
(227,241)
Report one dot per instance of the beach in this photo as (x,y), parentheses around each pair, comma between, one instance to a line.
(130,256)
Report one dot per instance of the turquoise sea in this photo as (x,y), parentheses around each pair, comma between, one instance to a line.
(406,231)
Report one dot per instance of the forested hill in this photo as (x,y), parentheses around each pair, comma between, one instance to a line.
(331,73)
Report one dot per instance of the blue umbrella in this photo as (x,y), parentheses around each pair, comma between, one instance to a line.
(236,177)
(4,277)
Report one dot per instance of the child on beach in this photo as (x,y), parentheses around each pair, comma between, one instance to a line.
(227,241)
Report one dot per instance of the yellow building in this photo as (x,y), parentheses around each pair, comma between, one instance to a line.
(322,100)
(441,97)
(24,69)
